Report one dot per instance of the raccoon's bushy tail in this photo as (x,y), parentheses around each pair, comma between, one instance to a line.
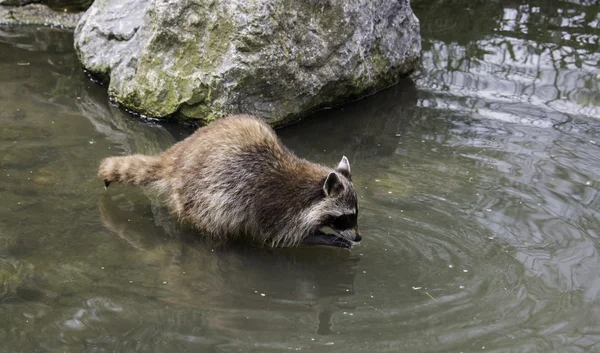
(136,169)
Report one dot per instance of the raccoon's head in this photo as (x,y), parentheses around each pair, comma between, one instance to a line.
(339,208)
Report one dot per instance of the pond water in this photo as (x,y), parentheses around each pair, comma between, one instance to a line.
(478,182)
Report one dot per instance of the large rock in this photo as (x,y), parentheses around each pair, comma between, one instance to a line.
(278,59)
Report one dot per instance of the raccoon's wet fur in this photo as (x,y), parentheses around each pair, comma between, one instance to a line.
(235,178)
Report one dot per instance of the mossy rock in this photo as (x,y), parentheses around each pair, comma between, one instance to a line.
(278,59)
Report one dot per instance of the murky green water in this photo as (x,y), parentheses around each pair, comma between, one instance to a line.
(479,195)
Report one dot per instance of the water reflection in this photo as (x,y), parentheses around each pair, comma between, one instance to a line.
(229,278)
(126,134)
(524,55)
(361,131)
(522,92)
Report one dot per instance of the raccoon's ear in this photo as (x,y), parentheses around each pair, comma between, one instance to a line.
(344,168)
(333,185)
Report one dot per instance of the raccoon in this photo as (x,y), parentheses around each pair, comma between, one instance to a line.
(234,178)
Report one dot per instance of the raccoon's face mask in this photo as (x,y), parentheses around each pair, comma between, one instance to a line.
(341,195)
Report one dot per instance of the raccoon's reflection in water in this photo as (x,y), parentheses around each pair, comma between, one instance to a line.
(229,279)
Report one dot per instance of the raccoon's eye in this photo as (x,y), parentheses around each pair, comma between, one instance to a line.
(343,222)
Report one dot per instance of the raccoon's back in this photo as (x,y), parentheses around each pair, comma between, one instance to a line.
(222,175)
(226,138)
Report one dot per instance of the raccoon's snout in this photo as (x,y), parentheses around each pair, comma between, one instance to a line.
(351,234)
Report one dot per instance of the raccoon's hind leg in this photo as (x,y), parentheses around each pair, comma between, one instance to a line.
(135,169)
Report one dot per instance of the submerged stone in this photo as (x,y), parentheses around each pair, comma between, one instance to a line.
(37,14)
(277,59)
(71,5)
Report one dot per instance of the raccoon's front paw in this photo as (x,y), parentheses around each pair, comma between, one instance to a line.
(322,238)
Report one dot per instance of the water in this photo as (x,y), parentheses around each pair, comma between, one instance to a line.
(478,183)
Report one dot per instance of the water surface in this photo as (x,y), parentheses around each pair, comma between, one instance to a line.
(478,183)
